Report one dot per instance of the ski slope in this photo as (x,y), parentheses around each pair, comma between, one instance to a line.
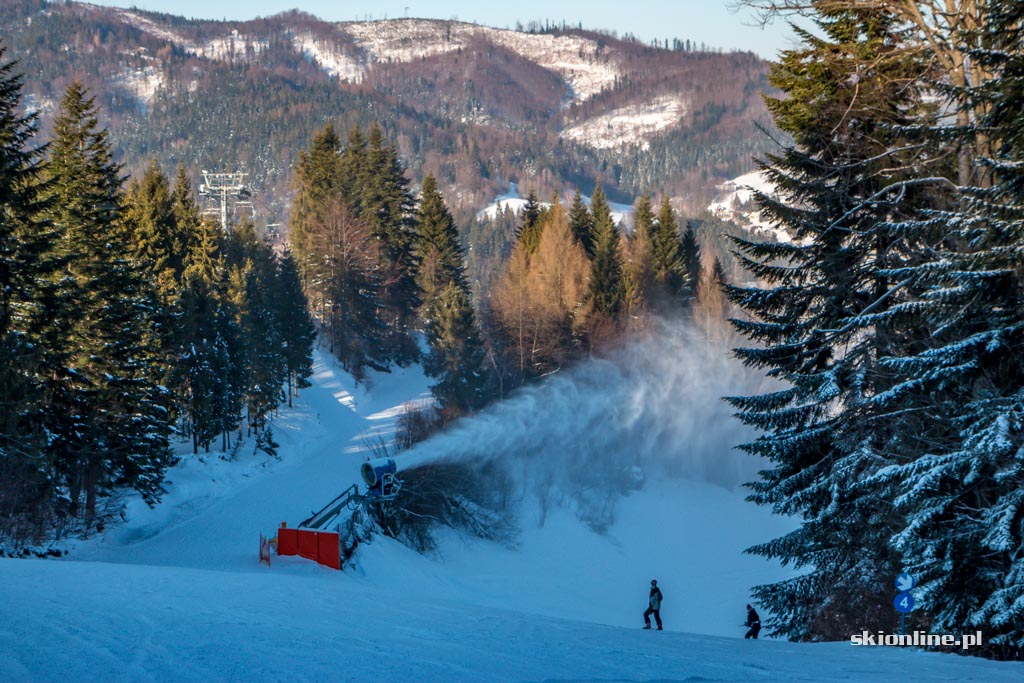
(75,621)
(177,593)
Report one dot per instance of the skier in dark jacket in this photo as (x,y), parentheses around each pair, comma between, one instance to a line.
(754,622)
(654,606)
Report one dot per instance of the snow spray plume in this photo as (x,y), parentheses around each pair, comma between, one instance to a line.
(651,409)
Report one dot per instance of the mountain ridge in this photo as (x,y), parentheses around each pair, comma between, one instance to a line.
(478,107)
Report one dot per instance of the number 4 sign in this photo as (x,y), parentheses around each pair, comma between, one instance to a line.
(904,602)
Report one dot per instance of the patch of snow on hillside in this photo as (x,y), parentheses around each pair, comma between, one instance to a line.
(330,59)
(737,204)
(632,125)
(573,58)
(406,40)
(622,214)
(234,45)
(143,83)
(36,105)
(148,26)
(492,210)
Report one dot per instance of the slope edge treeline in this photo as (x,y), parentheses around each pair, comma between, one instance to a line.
(124,319)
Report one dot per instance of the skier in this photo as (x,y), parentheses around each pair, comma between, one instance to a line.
(654,607)
(754,622)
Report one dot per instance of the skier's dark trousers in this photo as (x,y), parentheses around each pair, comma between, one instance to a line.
(654,607)
(754,622)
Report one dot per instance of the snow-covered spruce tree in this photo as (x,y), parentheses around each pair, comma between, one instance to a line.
(26,269)
(964,497)
(823,316)
(107,412)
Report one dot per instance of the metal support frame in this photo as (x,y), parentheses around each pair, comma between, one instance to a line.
(224,190)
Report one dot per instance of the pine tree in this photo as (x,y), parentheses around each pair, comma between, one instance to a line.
(26,270)
(202,367)
(691,258)
(157,241)
(108,412)
(828,312)
(670,266)
(317,185)
(439,248)
(253,278)
(295,327)
(186,214)
(639,275)
(528,233)
(606,283)
(150,212)
(353,171)
(456,353)
(582,224)
(340,259)
(387,209)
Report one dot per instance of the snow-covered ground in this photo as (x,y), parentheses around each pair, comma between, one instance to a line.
(622,214)
(143,83)
(579,61)
(632,125)
(329,57)
(736,203)
(177,593)
(102,622)
(575,59)
(233,45)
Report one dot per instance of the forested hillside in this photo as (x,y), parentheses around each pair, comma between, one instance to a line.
(548,107)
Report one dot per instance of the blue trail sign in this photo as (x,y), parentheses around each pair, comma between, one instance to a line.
(903,602)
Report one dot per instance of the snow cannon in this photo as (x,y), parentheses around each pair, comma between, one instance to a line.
(381,478)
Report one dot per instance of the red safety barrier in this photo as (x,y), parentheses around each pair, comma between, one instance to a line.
(308,546)
(323,547)
(329,549)
(286,542)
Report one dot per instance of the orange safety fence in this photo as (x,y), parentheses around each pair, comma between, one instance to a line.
(323,547)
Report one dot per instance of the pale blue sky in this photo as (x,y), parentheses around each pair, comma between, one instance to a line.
(707,21)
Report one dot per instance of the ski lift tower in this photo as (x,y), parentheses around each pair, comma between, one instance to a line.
(222,190)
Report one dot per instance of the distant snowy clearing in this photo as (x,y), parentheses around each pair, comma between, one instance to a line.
(736,203)
(626,126)
(573,58)
(622,214)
